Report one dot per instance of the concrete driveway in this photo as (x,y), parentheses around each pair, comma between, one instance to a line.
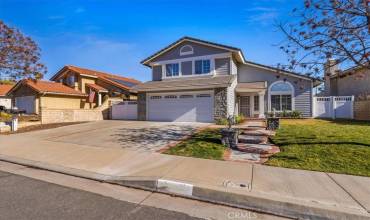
(133,135)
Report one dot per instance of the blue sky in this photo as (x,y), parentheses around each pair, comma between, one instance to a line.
(115,35)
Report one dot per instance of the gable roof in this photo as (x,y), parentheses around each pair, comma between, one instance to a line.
(350,71)
(118,81)
(4,89)
(236,50)
(47,87)
(294,74)
(96,87)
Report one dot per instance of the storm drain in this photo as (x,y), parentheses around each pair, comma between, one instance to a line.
(237,185)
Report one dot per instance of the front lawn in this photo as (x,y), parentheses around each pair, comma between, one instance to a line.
(329,146)
(204,144)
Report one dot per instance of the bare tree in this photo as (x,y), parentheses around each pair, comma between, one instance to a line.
(19,55)
(323,29)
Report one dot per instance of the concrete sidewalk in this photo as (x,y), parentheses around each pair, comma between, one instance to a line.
(280,191)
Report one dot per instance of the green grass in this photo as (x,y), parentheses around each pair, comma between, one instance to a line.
(329,146)
(5,116)
(204,144)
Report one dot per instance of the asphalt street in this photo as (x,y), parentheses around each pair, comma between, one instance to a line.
(25,198)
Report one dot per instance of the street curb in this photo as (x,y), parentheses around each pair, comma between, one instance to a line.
(251,201)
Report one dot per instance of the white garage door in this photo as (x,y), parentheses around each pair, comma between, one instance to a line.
(125,110)
(182,107)
(6,102)
(26,103)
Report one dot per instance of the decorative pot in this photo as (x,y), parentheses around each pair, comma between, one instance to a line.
(229,137)
(273,123)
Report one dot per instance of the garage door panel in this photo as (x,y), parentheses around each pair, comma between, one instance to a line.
(186,107)
(26,103)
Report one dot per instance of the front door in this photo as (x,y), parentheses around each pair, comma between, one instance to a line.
(245,107)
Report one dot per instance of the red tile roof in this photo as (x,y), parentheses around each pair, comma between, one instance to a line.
(5,89)
(107,77)
(96,87)
(49,87)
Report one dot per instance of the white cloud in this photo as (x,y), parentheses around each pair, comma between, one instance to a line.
(261,9)
(56,17)
(79,10)
(261,15)
(107,55)
(263,18)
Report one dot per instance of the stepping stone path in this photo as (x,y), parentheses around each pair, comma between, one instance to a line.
(253,143)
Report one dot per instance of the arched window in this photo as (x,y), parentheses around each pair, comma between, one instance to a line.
(186,50)
(281,95)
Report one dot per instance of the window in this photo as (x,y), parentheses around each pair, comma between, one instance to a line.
(156,97)
(170,97)
(71,80)
(203,95)
(256,102)
(186,96)
(202,66)
(281,94)
(172,69)
(186,50)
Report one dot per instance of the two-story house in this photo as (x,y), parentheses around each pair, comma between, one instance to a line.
(197,80)
(71,88)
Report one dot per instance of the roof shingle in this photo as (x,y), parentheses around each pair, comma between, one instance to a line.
(4,89)
(96,87)
(119,81)
(49,87)
(186,83)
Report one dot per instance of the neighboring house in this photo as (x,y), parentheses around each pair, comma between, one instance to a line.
(72,88)
(196,80)
(32,95)
(354,81)
(96,84)
(4,99)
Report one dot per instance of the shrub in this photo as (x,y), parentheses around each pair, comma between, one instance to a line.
(5,116)
(222,121)
(296,114)
(239,119)
(286,114)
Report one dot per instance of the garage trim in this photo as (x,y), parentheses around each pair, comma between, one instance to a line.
(178,94)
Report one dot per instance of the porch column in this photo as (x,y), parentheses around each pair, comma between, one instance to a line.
(261,102)
(99,99)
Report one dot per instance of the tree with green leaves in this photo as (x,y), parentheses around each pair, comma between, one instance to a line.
(19,55)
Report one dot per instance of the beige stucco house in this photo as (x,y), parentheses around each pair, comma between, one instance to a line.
(72,88)
(32,95)
(5,100)
(354,81)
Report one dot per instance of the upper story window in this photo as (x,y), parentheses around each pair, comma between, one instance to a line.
(202,66)
(172,69)
(71,80)
(186,50)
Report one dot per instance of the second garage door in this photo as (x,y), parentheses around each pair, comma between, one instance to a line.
(26,103)
(181,107)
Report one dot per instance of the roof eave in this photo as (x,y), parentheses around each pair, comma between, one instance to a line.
(239,52)
(56,75)
(281,71)
(65,94)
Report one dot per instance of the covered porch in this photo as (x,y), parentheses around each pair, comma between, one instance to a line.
(251,99)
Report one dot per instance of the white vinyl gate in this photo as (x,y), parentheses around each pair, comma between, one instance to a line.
(333,107)
(126,110)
